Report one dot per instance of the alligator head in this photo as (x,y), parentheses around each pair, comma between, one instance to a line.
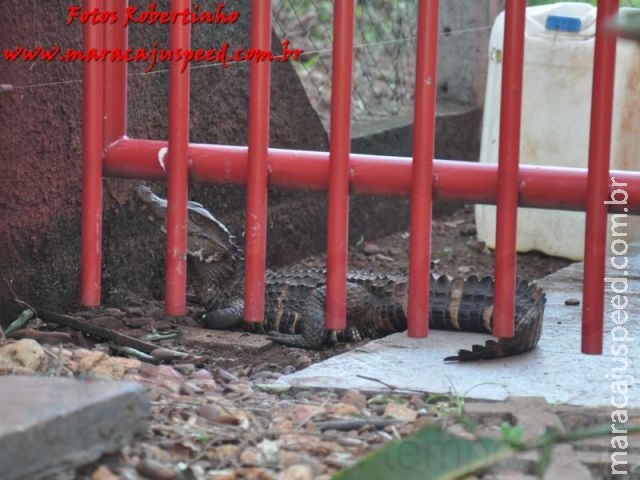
(214,258)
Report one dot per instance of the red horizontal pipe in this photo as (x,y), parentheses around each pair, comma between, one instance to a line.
(540,186)
(422,169)
(92,152)
(256,208)
(338,187)
(177,169)
(509,158)
(598,180)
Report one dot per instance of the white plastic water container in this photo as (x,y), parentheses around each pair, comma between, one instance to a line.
(556,106)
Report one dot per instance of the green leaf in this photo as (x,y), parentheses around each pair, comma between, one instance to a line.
(381,399)
(428,454)
(511,434)
(308,64)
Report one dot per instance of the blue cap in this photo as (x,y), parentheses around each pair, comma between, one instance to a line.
(563,24)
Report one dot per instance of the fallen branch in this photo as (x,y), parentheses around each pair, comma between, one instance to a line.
(115,337)
(101,332)
(132,352)
(355,424)
(52,338)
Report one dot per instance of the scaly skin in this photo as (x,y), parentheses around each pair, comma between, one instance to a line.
(376,303)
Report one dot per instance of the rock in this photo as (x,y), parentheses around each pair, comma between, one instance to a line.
(202,374)
(371,249)
(264,367)
(138,322)
(303,361)
(135,312)
(250,456)
(400,412)
(572,302)
(155,470)
(168,372)
(208,412)
(25,353)
(265,375)
(186,369)
(226,453)
(207,385)
(224,376)
(464,269)
(297,472)
(394,251)
(103,473)
(300,413)
(339,460)
(162,354)
(288,370)
(189,389)
(343,410)
(351,442)
(223,475)
(113,312)
(272,387)
(288,458)
(157,314)
(383,257)
(467,229)
(355,398)
(98,364)
(127,363)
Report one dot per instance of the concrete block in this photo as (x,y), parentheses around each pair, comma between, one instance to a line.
(50,426)
(209,338)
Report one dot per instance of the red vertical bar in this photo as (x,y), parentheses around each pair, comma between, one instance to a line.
(256,213)
(92,152)
(598,181)
(509,155)
(422,168)
(339,148)
(115,75)
(177,167)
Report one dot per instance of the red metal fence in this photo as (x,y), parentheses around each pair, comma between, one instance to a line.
(106,150)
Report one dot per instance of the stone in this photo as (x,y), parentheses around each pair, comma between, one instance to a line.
(155,470)
(303,361)
(371,249)
(103,473)
(113,312)
(343,410)
(467,229)
(400,412)
(25,353)
(354,397)
(296,472)
(54,425)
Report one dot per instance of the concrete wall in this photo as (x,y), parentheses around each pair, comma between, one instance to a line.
(463,48)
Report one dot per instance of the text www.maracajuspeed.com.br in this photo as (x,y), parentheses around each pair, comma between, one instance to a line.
(152,55)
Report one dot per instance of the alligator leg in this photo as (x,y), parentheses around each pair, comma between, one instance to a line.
(312,334)
(224,318)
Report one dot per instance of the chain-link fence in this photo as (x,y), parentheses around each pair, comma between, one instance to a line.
(384,47)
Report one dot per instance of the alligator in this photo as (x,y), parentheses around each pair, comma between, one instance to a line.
(376,302)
